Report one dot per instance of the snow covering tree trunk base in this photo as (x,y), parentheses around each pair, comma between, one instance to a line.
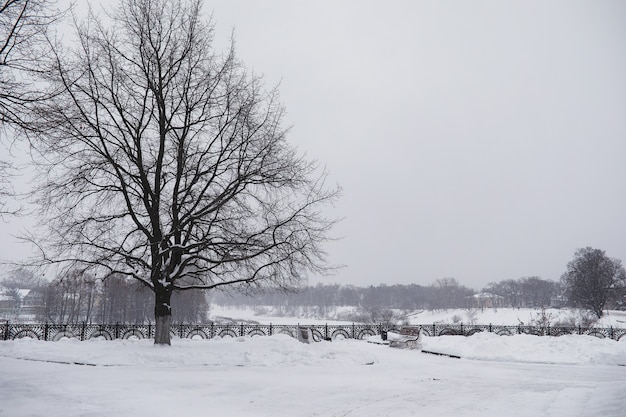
(163,316)
(162,330)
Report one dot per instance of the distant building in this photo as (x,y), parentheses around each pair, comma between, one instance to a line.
(486,300)
(17,302)
(7,302)
(33,301)
(9,305)
(558,301)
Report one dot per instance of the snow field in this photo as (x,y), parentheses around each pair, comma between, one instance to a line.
(519,375)
(495,316)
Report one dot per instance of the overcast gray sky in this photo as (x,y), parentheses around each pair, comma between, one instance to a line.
(481,140)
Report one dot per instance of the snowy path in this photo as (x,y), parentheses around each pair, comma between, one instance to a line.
(280,377)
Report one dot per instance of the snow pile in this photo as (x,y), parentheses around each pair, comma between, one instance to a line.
(568,349)
(283,350)
(270,351)
(513,376)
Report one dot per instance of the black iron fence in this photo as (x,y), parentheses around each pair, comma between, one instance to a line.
(46,331)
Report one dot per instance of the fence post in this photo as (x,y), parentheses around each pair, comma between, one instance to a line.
(82,333)
(180,330)
(117,330)
(241,331)
(45,332)
(326,331)
(434,329)
(149,330)
(490,329)
(212,330)
(271,329)
(462,332)
(6,331)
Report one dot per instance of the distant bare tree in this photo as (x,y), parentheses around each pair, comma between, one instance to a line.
(71,299)
(592,278)
(167,162)
(189,307)
(510,289)
(124,300)
(5,188)
(537,292)
(22,278)
(524,292)
(448,293)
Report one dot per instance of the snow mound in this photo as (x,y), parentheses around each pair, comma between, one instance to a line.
(567,349)
(269,351)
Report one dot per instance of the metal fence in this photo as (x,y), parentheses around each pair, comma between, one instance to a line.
(54,332)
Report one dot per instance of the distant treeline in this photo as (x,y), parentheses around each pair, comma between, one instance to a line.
(78,297)
(443,293)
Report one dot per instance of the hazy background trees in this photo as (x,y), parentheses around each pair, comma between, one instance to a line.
(22,278)
(526,292)
(79,297)
(374,300)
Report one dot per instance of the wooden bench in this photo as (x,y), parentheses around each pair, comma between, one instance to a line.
(409,337)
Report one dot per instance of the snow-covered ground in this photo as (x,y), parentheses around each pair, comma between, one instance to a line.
(515,316)
(508,376)
(267,315)
(498,316)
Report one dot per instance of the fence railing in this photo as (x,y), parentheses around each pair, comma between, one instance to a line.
(84,331)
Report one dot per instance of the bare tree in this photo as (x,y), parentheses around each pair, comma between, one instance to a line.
(71,299)
(592,278)
(22,278)
(510,289)
(5,188)
(537,292)
(525,291)
(167,162)
(448,293)
(24,42)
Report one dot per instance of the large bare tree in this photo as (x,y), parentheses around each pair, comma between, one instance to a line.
(166,161)
(592,278)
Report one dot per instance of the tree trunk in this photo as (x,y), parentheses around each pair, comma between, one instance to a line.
(163,317)
(599,312)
